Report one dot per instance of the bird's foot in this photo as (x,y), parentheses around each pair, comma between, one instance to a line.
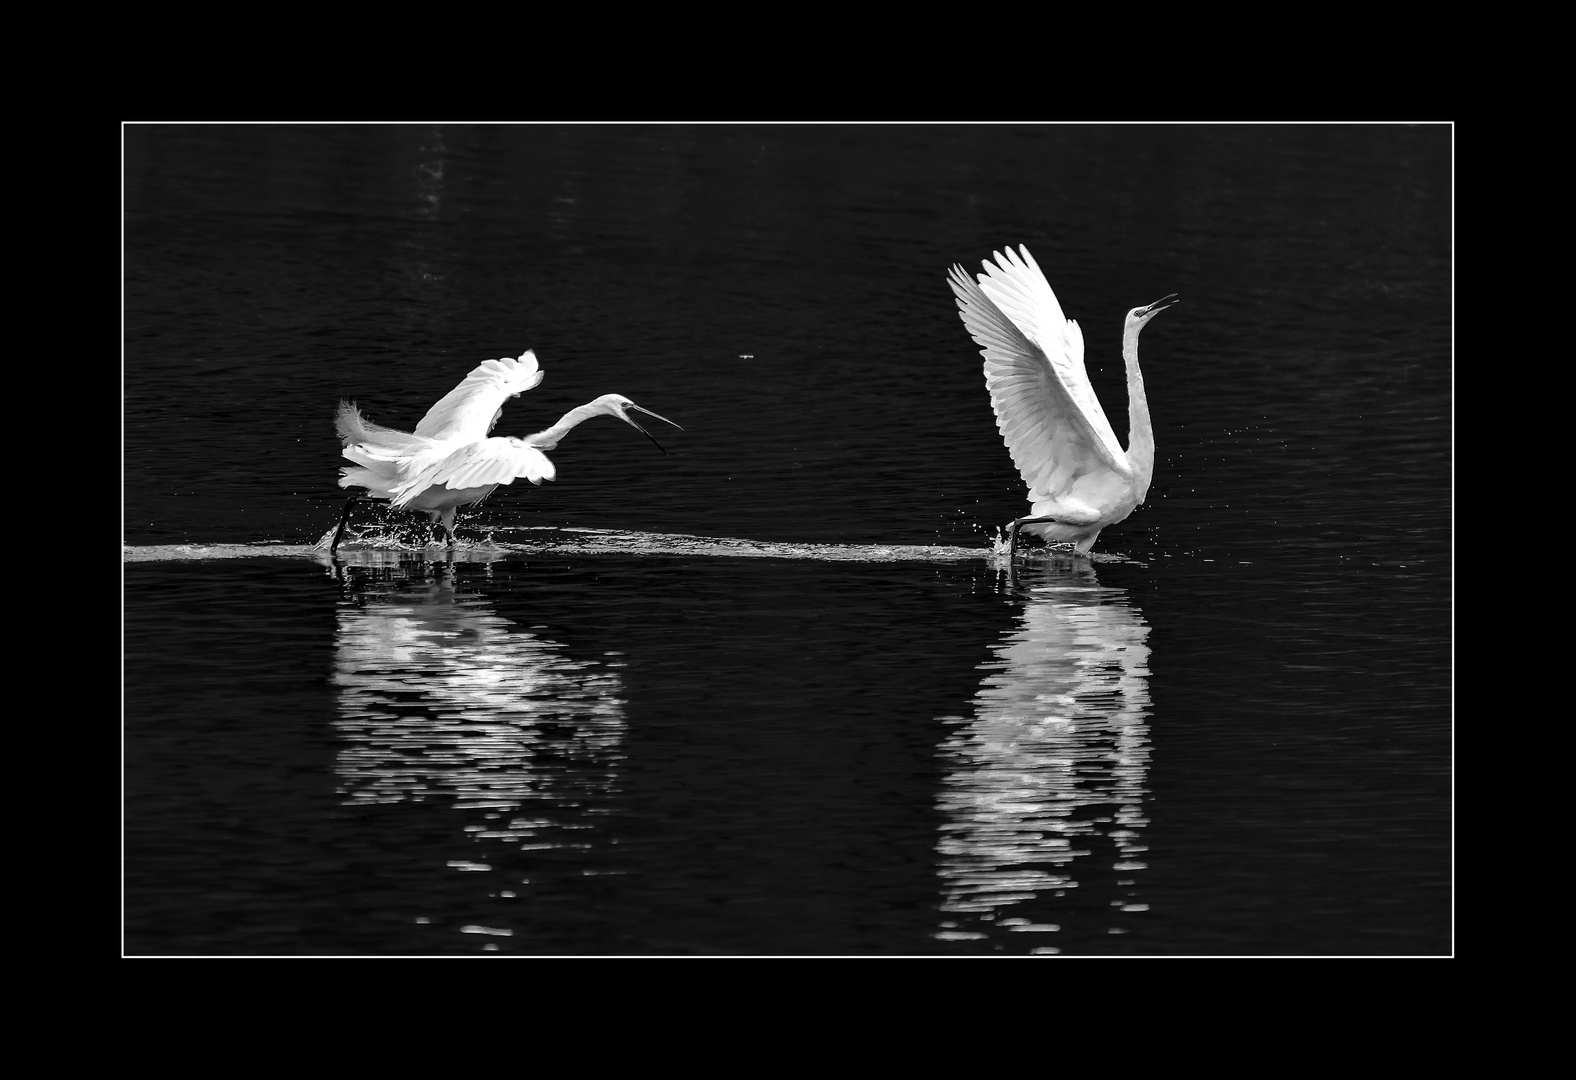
(1012,538)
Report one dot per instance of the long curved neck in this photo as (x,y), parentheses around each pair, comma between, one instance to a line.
(548,438)
(1140,434)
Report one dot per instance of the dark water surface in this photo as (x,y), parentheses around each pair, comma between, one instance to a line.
(772,693)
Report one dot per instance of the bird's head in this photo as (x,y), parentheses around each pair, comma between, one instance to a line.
(1141,315)
(620,406)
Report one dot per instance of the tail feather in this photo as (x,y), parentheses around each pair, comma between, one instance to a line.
(379,484)
(382,452)
(352,428)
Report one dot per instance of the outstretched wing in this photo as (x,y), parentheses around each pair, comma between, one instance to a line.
(470,410)
(477,464)
(1045,406)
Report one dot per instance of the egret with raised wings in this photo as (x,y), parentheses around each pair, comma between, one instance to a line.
(450,461)
(1080,479)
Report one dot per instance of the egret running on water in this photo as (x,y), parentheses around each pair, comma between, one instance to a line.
(1080,480)
(449,461)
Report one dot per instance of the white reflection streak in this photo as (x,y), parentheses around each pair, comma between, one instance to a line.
(1058,739)
(439,695)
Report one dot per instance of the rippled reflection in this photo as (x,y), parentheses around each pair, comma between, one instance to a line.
(1045,783)
(441,698)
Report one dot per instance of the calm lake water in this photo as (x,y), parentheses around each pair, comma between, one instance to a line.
(773,693)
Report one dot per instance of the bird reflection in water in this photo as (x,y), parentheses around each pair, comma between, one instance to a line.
(442,699)
(1045,783)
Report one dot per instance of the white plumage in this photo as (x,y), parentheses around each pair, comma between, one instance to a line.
(1080,479)
(451,459)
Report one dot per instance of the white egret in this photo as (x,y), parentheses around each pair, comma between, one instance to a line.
(450,461)
(1080,479)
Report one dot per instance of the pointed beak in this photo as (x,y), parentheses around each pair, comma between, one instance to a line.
(630,420)
(1160,305)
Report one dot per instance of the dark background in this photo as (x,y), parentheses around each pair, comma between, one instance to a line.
(782,754)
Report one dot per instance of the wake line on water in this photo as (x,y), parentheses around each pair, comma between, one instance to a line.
(554,541)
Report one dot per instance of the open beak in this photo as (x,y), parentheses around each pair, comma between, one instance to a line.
(630,420)
(1160,305)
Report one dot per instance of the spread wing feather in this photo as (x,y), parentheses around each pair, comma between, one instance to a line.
(470,410)
(1045,407)
(479,464)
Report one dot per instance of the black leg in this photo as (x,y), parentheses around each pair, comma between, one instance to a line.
(344,519)
(1019,523)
